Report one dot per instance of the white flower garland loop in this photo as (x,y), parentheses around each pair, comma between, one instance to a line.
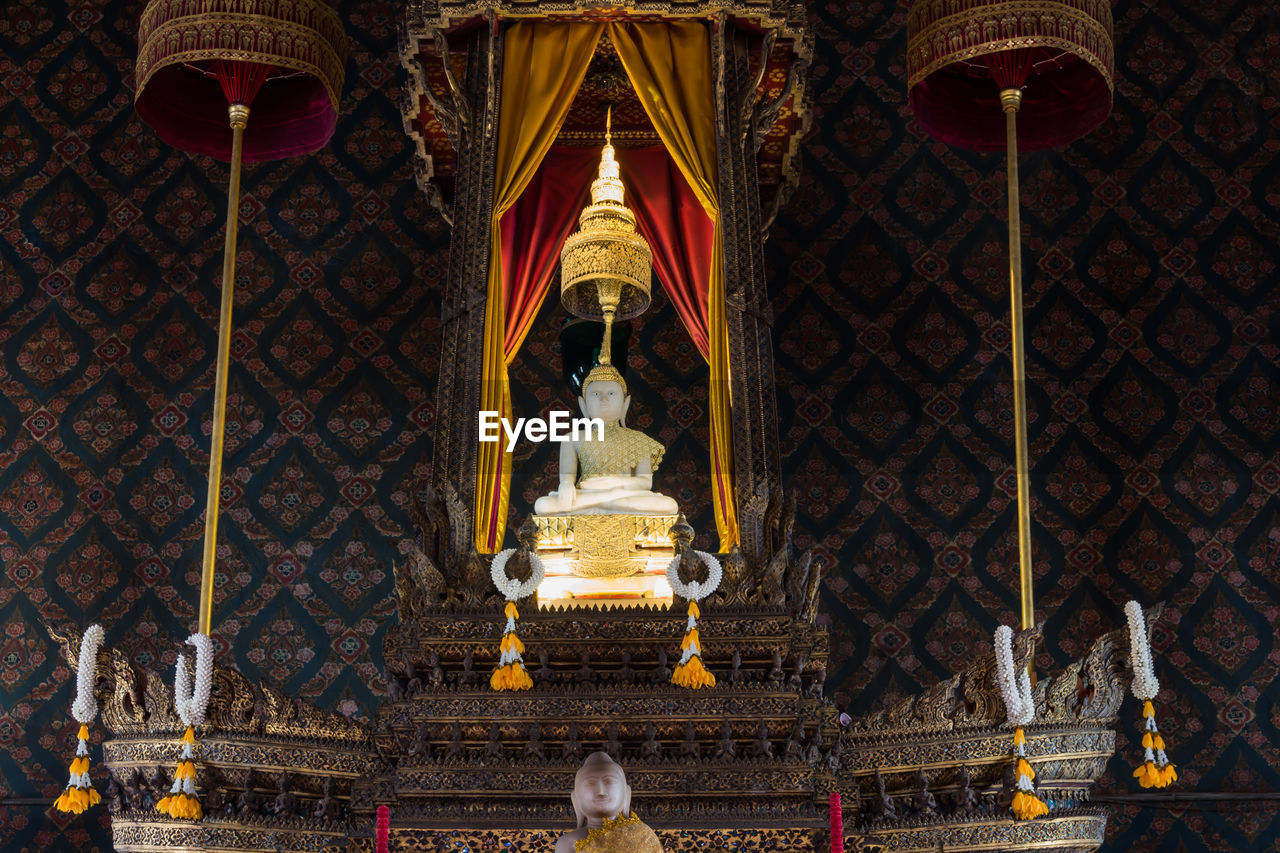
(694,590)
(1145,684)
(512,589)
(85,707)
(189,702)
(1015,687)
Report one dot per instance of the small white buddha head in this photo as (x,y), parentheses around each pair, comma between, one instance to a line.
(600,790)
(604,395)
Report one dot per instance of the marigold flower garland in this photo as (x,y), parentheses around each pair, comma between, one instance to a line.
(511,674)
(690,672)
(191,704)
(1156,770)
(80,793)
(1015,688)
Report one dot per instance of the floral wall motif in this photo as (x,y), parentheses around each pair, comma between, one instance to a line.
(1152,299)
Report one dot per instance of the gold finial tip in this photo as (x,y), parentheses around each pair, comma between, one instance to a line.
(239,115)
(608,125)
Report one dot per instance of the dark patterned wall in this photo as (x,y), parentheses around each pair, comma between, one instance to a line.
(1151,303)
(110,258)
(1152,297)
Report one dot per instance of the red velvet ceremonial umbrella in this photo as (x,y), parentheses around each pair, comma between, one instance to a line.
(202,64)
(971,63)
(974,66)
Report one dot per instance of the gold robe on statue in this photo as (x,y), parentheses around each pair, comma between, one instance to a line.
(618,454)
(624,835)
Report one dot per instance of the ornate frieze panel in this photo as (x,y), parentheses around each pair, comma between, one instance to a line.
(158,835)
(673,841)
(1075,832)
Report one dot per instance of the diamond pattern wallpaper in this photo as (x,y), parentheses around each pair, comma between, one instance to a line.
(1153,315)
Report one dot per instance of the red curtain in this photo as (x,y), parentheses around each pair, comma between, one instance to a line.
(681,234)
(668,214)
(533,232)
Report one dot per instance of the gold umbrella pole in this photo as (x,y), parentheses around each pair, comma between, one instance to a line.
(239,115)
(609,293)
(1011,99)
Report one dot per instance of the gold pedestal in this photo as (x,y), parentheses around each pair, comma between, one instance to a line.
(605,546)
(599,560)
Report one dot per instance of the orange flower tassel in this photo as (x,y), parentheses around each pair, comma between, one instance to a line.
(511,674)
(690,672)
(1156,771)
(1026,804)
(80,793)
(182,801)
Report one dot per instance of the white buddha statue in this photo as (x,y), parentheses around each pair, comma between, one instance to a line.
(613,475)
(602,805)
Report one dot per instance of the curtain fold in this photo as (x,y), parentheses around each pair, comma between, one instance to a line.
(539,191)
(669,65)
(670,217)
(534,231)
(543,67)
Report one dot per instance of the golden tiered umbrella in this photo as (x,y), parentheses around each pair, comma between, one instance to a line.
(606,267)
(201,66)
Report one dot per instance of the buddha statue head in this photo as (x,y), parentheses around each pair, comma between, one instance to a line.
(604,395)
(600,790)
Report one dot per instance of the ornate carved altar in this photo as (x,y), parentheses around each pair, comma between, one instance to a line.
(747,764)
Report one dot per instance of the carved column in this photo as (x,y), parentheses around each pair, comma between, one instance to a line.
(750,319)
(463,305)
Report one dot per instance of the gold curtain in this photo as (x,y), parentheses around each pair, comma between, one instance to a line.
(542,68)
(669,65)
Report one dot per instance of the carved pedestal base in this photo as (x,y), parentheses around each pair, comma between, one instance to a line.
(152,832)
(1078,831)
(542,841)
(746,765)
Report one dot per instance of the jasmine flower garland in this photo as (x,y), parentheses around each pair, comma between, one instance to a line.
(80,793)
(1015,689)
(511,673)
(1156,770)
(690,672)
(190,703)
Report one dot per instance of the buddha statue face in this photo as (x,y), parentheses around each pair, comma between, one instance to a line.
(600,790)
(604,399)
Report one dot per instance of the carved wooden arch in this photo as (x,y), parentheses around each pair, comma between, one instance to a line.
(453,53)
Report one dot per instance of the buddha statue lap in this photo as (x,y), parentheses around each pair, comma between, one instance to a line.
(602,805)
(613,475)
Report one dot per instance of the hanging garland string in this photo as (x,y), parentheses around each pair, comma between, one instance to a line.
(511,673)
(836,817)
(1156,771)
(1015,689)
(382,830)
(690,672)
(191,703)
(80,793)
